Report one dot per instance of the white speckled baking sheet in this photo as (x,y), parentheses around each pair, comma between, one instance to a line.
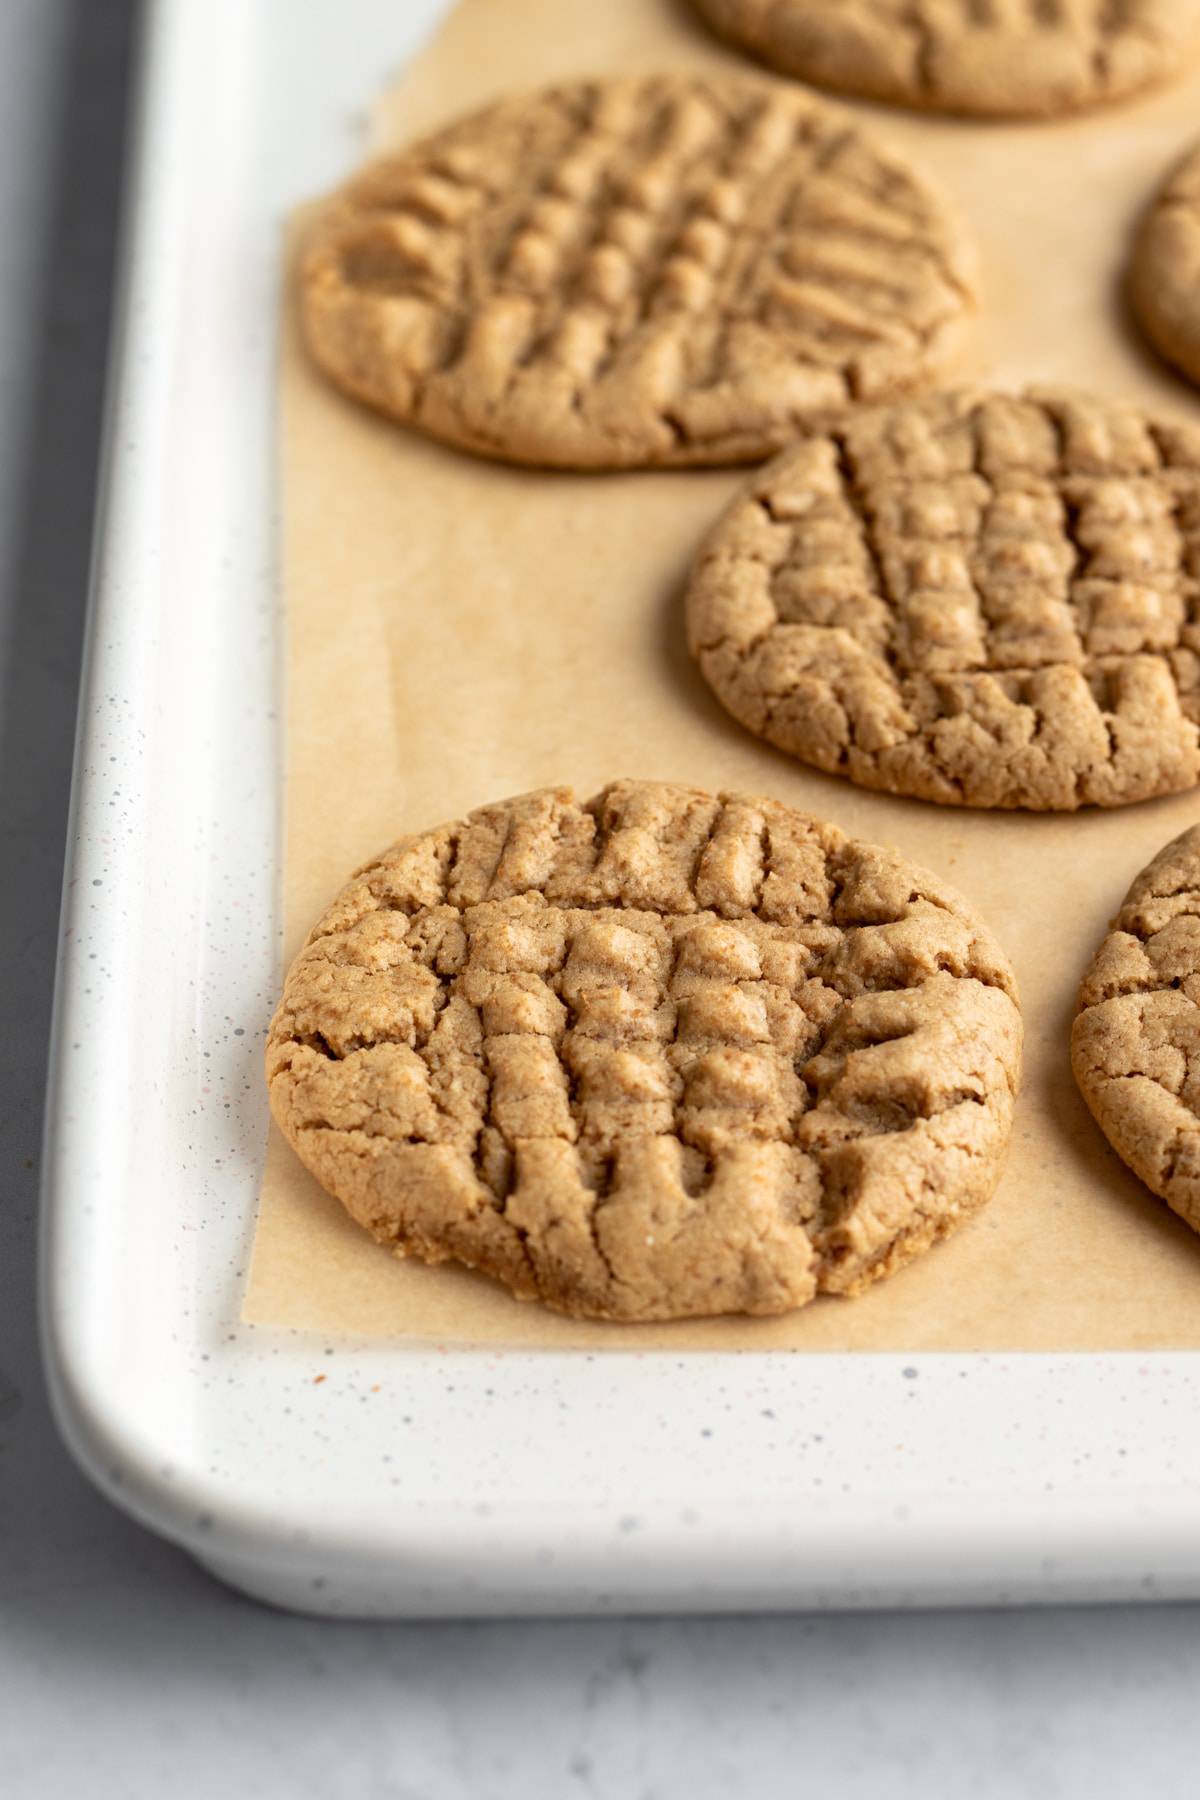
(386,1476)
(459,631)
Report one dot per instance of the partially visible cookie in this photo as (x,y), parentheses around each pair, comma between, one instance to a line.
(1135,1045)
(656,271)
(657,1054)
(998,58)
(977,599)
(1165,271)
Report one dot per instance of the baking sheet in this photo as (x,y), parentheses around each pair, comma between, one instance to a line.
(458,631)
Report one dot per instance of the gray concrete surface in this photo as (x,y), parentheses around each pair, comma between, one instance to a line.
(123,1671)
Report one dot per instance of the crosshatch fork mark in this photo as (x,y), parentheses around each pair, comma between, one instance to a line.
(659,1053)
(982,600)
(663,270)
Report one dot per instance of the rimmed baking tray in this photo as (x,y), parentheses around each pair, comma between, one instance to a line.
(382,1479)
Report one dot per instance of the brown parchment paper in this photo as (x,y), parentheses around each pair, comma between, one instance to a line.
(459,631)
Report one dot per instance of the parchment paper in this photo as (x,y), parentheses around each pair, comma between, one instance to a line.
(459,631)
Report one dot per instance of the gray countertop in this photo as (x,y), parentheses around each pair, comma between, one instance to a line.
(124,1670)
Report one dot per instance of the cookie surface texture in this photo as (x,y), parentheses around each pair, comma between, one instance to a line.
(1165,271)
(979,600)
(657,1055)
(658,272)
(991,58)
(1135,1044)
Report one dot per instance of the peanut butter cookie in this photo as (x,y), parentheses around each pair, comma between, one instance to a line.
(1135,1045)
(658,271)
(1165,272)
(654,1055)
(976,599)
(999,58)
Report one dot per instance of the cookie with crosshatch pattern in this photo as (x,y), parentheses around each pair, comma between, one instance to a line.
(1135,1043)
(1165,270)
(1004,58)
(653,271)
(982,600)
(653,1055)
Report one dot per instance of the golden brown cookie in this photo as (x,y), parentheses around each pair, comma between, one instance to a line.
(654,1055)
(979,600)
(998,58)
(1135,1045)
(1165,271)
(660,271)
